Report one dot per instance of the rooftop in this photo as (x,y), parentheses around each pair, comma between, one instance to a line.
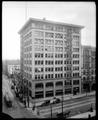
(88,47)
(48,21)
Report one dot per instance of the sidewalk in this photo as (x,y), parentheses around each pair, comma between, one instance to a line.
(67,97)
(38,115)
(35,112)
(85,115)
(31,104)
(79,95)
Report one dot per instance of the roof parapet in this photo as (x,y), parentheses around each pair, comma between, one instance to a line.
(48,21)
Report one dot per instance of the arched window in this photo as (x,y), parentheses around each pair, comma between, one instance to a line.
(84,78)
(92,78)
(30,85)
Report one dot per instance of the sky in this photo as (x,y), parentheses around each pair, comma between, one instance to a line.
(15,14)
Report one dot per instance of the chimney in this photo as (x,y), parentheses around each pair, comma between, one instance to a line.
(44,18)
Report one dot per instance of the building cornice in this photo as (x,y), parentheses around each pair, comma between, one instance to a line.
(48,21)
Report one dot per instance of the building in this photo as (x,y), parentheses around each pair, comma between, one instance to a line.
(88,70)
(51,58)
(4,67)
(10,67)
(13,69)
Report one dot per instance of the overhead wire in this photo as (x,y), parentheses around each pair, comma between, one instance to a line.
(25,11)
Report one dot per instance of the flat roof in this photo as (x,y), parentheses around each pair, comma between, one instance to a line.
(48,21)
(88,46)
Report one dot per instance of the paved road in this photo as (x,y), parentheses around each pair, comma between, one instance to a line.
(85,115)
(75,105)
(18,110)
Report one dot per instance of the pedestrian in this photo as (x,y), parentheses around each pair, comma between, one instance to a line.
(33,108)
(38,112)
(89,115)
(91,109)
(25,103)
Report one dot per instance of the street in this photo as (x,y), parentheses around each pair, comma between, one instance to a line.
(76,105)
(73,105)
(18,110)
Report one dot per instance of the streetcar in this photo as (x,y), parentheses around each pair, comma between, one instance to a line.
(8,100)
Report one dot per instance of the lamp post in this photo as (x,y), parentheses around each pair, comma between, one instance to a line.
(62,102)
(51,106)
(23,90)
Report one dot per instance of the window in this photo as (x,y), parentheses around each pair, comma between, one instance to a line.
(46,76)
(75,82)
(68,91)
(75,43)
(68,82)
(75,49)
(75,61)
(39,94)
(48,34)
(49,55)
(58,68)
(38,55)
(49,84)
(75,55)
(49,41)
(47,62)
(49,69)
(39,85)
(39,47)
(39,34)
(60,83)
(49,27)
(39,62)
(58,55)
(49,48)
(59,49)
(59,28)
(58,42)
(39,41)
(39,26)
(65,36)
(75,68)
(49,93)
(59,92)
(75,74)
(39,69)
(55,75)
(35,77)
(51,75)
(75,37)
(58,35)
(58,62)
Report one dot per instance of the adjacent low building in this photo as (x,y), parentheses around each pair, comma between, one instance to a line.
(10,67)
(88,68)
(13,69)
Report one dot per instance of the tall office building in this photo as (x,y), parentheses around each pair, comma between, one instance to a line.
(51,58)
(88,69)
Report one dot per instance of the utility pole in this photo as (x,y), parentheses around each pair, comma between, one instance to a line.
(62,103)
(28,93)
(51,109)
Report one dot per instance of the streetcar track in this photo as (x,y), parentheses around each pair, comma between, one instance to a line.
(64,108)
(67,106)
